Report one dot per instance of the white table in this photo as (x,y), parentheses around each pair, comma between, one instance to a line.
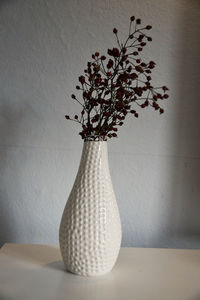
(34,272)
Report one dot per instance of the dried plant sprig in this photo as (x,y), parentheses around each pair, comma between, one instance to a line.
(111,85)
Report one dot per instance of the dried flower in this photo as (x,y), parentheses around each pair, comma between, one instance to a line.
(161,110)
(110,88)
(139,69)
(114,52)
(164,88)
(103,57)
(82,79)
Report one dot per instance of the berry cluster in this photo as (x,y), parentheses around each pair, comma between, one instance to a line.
(111,85)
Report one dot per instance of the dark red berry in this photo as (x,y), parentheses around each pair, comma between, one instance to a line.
(82,79)
(164,88)
(139,69)
(161,110)
(148,27)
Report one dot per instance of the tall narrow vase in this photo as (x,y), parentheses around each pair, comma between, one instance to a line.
(90,229)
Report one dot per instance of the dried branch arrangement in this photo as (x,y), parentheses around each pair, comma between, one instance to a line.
(117,85)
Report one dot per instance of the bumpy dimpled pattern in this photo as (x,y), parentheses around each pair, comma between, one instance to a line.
(90,229)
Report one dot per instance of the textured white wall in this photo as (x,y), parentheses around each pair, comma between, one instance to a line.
(155,162)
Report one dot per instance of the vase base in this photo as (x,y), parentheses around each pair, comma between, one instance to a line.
(83,274)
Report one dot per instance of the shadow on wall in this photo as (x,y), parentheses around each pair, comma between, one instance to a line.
(6,228)
(11,118)
(183,228)
(4,3)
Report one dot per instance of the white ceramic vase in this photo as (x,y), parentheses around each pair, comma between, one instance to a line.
(90,229)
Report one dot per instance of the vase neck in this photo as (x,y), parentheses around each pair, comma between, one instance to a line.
(94,153)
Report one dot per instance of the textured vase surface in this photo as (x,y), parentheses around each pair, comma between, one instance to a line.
(90,229)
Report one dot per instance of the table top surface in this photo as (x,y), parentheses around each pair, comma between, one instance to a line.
(34,272)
